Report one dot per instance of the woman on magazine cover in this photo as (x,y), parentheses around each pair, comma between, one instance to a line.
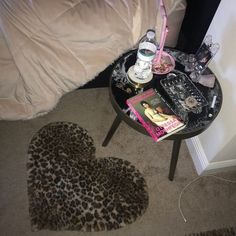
(156,115)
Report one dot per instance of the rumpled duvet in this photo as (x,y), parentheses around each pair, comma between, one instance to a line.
(51,47)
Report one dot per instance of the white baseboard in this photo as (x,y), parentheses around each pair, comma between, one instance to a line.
(201,163)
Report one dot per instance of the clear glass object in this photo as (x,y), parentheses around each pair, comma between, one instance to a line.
(183,93)
(190,64)
(183,58)
(203,56)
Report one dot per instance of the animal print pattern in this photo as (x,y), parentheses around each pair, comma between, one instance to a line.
(71,190)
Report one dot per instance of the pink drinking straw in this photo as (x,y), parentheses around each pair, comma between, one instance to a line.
(164,31)
(162,44)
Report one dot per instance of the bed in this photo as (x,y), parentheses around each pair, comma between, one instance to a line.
(51,47)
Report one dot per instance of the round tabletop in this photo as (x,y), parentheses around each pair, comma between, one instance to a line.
(120,90)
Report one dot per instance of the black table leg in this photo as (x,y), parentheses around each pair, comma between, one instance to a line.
(112,130)
(174,158)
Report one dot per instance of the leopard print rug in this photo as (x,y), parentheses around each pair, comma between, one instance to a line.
(69,189)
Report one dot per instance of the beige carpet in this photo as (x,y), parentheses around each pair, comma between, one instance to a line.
(207,204)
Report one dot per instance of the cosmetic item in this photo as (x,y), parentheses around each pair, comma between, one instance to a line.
(211,110)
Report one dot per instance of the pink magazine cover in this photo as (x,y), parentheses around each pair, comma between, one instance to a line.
(155,114)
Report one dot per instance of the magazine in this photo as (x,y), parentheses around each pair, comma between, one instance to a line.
(155,114)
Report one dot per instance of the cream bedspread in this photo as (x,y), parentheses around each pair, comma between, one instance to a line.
(51,47)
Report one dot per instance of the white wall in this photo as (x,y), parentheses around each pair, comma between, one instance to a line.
(218,143)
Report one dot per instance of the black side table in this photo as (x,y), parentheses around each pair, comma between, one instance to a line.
(120,90)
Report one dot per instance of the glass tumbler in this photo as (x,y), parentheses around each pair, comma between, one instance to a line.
(203,56)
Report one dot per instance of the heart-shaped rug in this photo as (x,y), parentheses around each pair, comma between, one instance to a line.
(69,189)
